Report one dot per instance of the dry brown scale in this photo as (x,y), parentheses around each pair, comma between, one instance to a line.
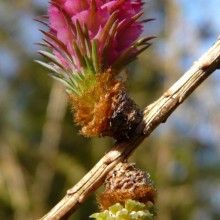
(125,182)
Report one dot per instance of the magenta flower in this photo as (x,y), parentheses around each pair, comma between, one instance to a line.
(91,41)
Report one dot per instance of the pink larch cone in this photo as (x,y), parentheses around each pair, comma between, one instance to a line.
(91,41)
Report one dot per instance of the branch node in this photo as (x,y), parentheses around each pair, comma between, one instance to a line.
(81,199)
(110,157)
(71,191)
(168,93)
(181,99)
(204,63)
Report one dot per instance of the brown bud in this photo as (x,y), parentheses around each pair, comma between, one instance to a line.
(125,182)
(125,117)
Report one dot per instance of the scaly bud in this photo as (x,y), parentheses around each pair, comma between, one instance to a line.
(129,194)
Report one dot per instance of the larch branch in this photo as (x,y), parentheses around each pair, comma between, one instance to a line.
(154,115)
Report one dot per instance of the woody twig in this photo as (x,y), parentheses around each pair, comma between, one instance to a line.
(153,116)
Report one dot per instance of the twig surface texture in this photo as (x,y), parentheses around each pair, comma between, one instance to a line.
(154,115)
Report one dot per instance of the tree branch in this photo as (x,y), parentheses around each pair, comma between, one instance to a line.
(154,114)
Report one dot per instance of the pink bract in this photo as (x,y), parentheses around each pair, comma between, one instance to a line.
(95,14)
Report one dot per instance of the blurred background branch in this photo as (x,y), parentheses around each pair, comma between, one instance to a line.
(48,147)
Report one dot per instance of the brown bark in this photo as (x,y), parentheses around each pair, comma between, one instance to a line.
(154,115)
